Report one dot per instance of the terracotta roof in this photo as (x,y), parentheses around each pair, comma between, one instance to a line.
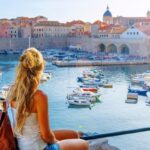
(113,29)
(76,22)
(50,23)
(145,30)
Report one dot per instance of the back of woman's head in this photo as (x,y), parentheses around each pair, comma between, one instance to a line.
(31,65)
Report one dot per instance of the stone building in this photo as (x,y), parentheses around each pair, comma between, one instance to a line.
(124,21)
(50,29)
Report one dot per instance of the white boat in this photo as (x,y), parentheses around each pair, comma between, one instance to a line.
(4,91)
(93,73)
(79,102)
(48,75)
(141,78)
(86,97)
(43,79)
(45,76)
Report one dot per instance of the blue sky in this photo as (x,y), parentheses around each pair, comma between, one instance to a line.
(66,10)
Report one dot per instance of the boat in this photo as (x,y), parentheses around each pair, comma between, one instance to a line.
(141,78)
(93,74)
(137,89)
(82,79)
(132,98)
(4,91)
(45,76)
(79,102)
(148,98)
(48,75)
(43,79)
(107,85)
(137,80)
(87,96)
(86,88)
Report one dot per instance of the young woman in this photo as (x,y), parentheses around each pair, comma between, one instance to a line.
(29,107)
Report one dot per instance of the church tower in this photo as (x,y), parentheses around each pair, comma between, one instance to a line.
(107,16)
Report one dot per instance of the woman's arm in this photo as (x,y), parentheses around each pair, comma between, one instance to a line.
(42,115)
(66,134)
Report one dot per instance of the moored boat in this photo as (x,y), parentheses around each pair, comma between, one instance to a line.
(137,89)
(79,102)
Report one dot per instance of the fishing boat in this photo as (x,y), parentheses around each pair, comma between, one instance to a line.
(137,89)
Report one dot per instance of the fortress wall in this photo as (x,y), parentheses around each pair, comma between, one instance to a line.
(139,47)
(41,43)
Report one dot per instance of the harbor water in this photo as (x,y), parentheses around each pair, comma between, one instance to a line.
(111,115)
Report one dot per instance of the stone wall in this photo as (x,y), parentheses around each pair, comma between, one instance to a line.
(139,47)
(40,43)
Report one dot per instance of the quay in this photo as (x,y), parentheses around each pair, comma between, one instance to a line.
(82,63)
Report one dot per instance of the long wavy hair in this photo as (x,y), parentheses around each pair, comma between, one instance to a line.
(29,70)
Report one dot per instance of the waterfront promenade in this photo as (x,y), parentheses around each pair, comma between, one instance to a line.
(81,63)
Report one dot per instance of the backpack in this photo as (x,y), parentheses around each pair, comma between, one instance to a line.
(7,139)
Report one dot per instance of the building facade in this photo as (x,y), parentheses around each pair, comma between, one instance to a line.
(50,29)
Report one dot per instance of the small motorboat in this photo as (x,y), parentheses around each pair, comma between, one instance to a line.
(93,73)
(45,76)
(137,89)
(148,98)
(132,98)
(79,102)
(107,85)
(87,96)
(92,89)
(48,75)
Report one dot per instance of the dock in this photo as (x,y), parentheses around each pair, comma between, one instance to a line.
(82,63)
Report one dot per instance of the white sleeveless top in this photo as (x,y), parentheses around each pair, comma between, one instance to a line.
(30,139)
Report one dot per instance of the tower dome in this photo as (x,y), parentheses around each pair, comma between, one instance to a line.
(107,13)
(107,17)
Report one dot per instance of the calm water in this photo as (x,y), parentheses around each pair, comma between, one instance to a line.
(113,114)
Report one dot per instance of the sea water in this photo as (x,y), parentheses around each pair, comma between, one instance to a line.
(111,115)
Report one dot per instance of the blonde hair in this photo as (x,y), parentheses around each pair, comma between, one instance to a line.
(26,83)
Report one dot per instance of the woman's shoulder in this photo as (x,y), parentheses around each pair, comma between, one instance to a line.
(40,96)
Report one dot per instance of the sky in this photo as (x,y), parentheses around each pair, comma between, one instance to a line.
(67,10)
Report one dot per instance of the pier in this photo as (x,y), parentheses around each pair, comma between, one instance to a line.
(82,63)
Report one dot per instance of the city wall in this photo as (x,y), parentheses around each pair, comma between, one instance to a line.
(40,43)
(139,47)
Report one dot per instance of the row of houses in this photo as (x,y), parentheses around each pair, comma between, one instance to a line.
(23,27)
